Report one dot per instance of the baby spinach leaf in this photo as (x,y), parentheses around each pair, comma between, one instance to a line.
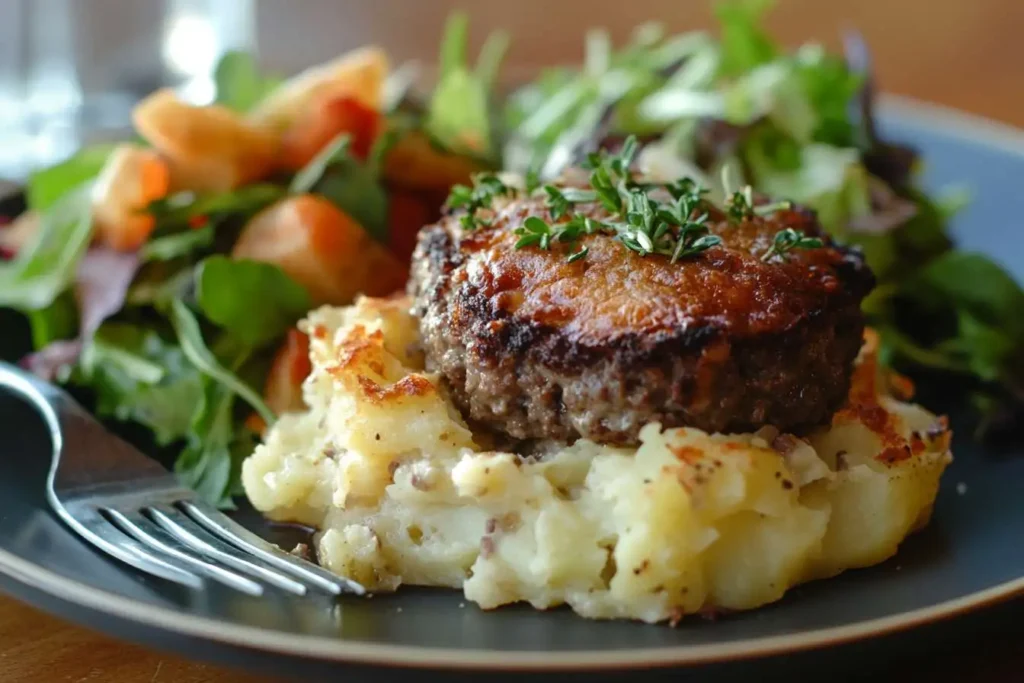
(256,302)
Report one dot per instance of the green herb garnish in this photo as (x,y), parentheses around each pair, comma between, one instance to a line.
(486,186)
(640,221)
(788,239)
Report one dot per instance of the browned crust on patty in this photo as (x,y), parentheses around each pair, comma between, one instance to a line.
(537,347)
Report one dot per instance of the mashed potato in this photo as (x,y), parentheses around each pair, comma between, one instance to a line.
(404,492)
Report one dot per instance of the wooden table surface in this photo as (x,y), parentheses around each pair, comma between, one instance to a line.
(967,54)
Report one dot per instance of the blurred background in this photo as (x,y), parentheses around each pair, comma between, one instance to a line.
(71,69)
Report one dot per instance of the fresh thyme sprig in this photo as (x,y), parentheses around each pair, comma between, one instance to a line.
(640,218)
(789,239)
(486,186)
(739,204)
(640,221)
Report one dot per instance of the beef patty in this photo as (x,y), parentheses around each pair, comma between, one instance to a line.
(539,348)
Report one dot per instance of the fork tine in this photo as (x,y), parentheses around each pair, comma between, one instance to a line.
(179,525)
(228,529)
(135,526)
(115,542)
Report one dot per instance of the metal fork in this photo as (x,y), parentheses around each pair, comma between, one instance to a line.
(132,508)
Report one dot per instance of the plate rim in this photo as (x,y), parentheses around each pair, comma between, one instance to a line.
(972,127)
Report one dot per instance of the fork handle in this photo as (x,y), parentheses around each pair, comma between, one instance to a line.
(49,401)
(84,452)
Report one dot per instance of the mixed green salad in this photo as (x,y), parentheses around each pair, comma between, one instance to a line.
(163,276)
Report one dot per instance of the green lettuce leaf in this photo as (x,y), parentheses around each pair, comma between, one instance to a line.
(46,266)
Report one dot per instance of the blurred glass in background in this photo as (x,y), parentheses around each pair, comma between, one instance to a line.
(70,70)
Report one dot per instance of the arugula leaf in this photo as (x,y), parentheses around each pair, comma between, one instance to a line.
(239,84)
(226,290)
(351,186)
(46,266)
(190,337)
(454,45)
(176,245)
(138,376)
(458,115)
(159,283)
(492,54)
(211,462)
(180,210)
(45,187)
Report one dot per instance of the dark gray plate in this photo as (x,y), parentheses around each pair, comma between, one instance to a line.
(970,556)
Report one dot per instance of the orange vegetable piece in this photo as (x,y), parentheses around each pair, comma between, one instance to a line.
(291,366)
(322,248)
(322,123)
(409,211)
(131,179)
(415,163)
(208,148)
(359,74)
